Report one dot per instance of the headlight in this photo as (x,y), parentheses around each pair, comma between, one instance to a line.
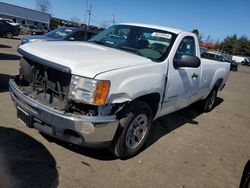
(88,90)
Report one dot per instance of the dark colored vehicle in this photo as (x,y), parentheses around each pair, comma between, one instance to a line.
(221,58)
(245,180)
(62,34)
(8,30)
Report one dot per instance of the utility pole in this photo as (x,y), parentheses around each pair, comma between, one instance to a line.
(88,12)
(113,19)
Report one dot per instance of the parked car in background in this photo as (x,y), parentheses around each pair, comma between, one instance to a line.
(203,49)
(11,22)
(7,30)
(44,29)
(219,57)
(30,30)
(238,59)
(61,34)
(246,61)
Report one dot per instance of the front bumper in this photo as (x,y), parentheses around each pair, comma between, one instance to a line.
(91,131)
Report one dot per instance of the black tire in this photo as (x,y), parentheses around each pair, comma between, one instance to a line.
(127,142)
(208,104)
(9,35)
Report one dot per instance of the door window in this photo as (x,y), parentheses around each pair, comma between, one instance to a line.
(186,47)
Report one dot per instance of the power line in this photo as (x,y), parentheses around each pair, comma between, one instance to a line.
(96,18)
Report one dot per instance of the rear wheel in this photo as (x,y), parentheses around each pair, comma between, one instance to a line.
(208,104)
(9,35)
(135,126)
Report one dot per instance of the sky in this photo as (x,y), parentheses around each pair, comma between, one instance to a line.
(217,18)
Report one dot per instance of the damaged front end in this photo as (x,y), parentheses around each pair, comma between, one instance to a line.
(50,102)
(53,88)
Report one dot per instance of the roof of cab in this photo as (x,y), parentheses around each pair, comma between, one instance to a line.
(169,29)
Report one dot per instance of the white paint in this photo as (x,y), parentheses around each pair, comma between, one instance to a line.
(132,76)
(162,35)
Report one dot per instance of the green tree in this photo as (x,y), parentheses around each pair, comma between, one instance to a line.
(236,46)
(54,23)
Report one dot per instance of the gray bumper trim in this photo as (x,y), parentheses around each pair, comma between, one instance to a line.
(92,129)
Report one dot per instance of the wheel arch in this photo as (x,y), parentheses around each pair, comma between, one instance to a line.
(152,99)
(218,84)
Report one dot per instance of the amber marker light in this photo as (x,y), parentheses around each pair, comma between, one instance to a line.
(101,92)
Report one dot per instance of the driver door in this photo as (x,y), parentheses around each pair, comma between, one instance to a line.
(183,82)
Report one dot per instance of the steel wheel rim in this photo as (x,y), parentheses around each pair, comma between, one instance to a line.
(212,100)
(9,35)
(136,131)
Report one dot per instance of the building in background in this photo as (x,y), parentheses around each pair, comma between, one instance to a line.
(24,15)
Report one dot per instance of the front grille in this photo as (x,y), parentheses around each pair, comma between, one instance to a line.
(45,81)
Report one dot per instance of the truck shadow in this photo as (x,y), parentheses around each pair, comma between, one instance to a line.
(4,56)
(161,127)
(171,122)
(96,153)
(4,46)
(4,82)
(25,162)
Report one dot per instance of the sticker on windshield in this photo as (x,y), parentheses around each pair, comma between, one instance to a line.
(162,35)
(109,42)
(68,30)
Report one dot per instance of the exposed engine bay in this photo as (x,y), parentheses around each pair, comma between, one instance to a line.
(50,87)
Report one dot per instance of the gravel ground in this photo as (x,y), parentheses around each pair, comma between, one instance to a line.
(185,149)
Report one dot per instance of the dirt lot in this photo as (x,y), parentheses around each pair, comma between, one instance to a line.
(185,149)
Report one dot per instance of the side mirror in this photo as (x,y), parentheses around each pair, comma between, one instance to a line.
(187,61)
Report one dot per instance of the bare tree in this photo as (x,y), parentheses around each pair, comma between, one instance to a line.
(75,20)
(208,39)
(105,24)
(43,5)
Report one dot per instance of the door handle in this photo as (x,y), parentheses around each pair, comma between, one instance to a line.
(194,76)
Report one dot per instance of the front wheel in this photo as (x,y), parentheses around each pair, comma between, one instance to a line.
(135,126)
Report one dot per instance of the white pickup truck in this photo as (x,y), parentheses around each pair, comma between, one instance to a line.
(106,92)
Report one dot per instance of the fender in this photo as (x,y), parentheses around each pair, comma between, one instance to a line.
(130,83)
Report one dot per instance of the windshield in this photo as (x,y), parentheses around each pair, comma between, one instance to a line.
(32,27)
(59,33)
(150,43)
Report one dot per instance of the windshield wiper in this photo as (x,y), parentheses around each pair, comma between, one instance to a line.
(132,50)
(97,42)
(128,49)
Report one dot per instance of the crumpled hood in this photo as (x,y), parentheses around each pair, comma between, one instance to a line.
(83,58)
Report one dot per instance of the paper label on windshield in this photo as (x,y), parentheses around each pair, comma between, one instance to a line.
(162,35)
(68,30)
